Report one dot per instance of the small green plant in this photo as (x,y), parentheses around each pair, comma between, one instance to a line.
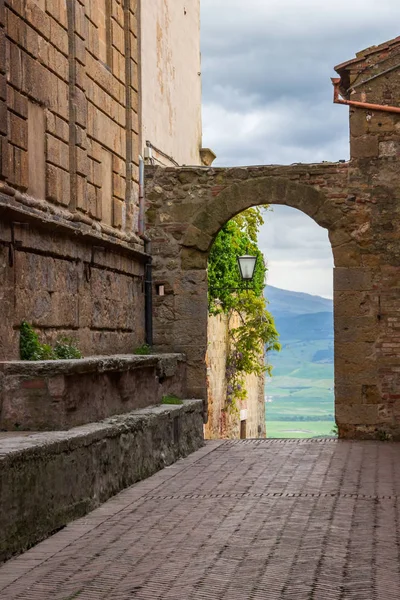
(171,399)
(383,435)
(335,430)
(30,346)
(32,349)
(143,350)
(65,348)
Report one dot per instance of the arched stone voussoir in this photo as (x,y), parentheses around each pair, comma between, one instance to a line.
(198,237)
(265,190)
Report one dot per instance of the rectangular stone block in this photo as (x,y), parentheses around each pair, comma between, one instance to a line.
(92,201)
(46,291)
(58,185)
(3,118)
(348,394)
(57,152)
(357,329)
(7,334)
(58,36)
(17,131)
(17,102)
(36,151)
(18,168)
(3,87)
(36,16)
(2,13)
(113,296)
(356,304)
(366,146)
(51,242)
(118,213)
(353,279)
(117,262)
(4,158)
(81,194)
(58,10)
(357,415)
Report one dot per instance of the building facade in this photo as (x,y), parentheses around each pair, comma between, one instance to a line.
(83,85)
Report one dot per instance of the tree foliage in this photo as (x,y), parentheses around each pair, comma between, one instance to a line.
(226,295)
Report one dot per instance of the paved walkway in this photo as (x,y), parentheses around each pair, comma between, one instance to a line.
(301,520)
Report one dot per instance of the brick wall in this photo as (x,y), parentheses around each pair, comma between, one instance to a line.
(69,136)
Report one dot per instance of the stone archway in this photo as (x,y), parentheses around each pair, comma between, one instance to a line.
(186,209)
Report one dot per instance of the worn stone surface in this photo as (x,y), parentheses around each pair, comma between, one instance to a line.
(69,139)
(58,395)
(357,202)
(247,417)
(68,286)
(262,519)
(49,479)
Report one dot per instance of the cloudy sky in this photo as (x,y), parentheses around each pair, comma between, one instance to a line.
(268,99)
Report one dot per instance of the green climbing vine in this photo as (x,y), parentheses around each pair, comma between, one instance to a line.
(226,295)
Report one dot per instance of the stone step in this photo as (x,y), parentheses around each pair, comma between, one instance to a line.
(48,479)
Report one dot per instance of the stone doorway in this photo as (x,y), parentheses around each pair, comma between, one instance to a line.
(186,207)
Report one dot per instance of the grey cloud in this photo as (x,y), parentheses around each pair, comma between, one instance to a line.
(268,100)
(271,49)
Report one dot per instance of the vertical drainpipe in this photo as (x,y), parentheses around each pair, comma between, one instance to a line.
(148,277)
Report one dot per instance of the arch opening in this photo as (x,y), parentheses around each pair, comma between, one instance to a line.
(199,202)
(300,395)
(299,400)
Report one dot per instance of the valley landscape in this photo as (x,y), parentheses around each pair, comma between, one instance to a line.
(300,395)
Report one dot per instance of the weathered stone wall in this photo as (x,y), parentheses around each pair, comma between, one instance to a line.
(67,284)
(50,479)
(186,209)
(70,261)
(358,202)
(58,395)
(223,423)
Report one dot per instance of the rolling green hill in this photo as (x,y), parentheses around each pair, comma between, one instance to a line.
(300,396)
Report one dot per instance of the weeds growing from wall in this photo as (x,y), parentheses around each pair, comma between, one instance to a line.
(143,350)
(32,349)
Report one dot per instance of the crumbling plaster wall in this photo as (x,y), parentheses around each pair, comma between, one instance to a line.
(70,261)
(223,422)
(171,79)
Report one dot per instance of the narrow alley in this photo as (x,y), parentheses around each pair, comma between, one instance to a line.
(271,519)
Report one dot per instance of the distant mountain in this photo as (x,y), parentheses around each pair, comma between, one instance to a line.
(287,303)
(304,327)
(301,388)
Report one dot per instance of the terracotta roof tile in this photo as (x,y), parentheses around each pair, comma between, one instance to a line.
(361,57)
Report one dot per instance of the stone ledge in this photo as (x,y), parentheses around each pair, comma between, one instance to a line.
(59,395)
(90,364)
(49,479)
(48,216)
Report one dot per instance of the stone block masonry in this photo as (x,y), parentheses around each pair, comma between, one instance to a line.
(49,479)
(69,139)
(67,280)
(59,395)
(357,202)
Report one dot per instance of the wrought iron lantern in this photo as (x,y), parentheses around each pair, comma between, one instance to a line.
(247,267)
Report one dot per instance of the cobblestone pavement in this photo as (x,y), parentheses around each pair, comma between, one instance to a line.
(257,519)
